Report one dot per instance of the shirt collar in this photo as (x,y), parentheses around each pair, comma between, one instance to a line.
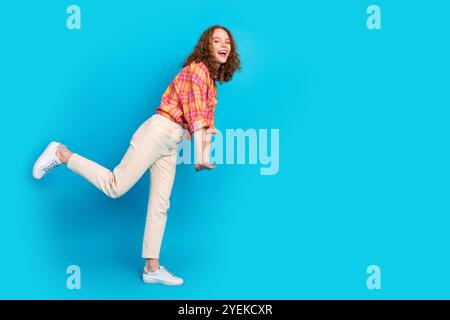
(205,68)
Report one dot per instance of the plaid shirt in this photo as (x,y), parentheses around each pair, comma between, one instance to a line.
(190,99)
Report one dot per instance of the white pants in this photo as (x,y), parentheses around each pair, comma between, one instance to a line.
(154,146)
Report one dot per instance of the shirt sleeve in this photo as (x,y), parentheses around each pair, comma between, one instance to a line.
(195,110)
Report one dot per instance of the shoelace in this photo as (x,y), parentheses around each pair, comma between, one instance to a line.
(167,273)
(49,166)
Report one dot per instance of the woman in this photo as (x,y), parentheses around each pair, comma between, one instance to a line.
(187,108)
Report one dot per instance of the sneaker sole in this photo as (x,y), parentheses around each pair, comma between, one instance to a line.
(146,280)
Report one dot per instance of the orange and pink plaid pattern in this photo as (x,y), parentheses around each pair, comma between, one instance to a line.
(190,99)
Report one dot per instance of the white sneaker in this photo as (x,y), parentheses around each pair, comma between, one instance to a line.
(162,275)
(47,161)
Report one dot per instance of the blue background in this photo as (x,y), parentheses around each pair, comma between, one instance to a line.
(364,177)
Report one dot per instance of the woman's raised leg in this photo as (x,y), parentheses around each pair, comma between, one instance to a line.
(144,149)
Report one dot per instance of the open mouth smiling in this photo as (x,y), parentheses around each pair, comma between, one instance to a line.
(222,53)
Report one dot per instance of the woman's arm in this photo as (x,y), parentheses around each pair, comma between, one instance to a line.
(195,111)
(202,150)
(198,146)
(207,137)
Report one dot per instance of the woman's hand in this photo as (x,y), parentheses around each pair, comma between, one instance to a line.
(211,130)
(202,146)
(203,166)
